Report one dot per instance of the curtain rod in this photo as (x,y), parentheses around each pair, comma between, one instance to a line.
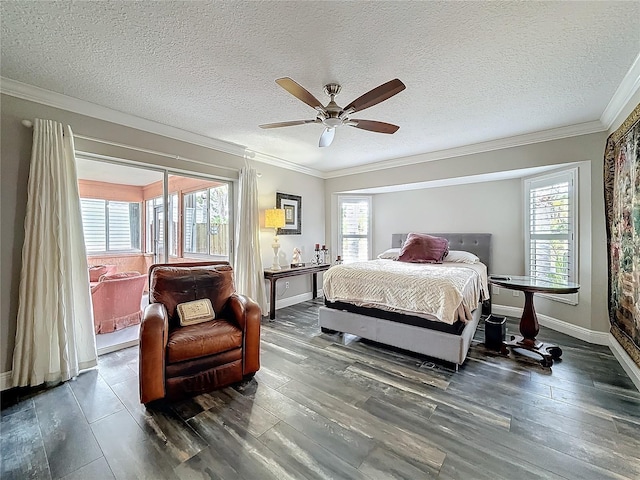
(29,124)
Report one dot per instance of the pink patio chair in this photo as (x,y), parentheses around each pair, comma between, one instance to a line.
(116,301)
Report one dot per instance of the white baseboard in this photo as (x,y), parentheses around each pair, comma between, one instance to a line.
(575,331)
(303,297)
(626,362)
(118,346)
(6,382)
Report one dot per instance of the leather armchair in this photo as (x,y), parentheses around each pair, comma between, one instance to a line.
(176,361)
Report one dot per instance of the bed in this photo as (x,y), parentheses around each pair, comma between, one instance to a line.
(421,332)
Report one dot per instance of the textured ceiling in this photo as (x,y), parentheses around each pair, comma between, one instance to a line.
(474,71)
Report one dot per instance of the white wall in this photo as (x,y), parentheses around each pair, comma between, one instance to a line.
(311,189)
(491,207)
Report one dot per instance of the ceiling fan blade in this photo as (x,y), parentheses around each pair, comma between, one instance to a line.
(377,95)
(327,137)
(299,91)
(373,126)
(288,124)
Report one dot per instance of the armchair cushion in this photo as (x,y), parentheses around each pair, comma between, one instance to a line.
(194,341)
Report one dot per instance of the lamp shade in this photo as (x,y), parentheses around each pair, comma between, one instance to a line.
(274,218)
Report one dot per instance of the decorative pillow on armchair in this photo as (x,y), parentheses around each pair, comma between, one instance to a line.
(197,311)
(423,248)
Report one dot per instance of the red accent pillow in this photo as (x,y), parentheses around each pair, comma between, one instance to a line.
(422,248)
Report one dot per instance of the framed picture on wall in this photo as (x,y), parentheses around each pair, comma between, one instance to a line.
(292,206)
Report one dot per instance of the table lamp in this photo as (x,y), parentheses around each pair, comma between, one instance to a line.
(274,218)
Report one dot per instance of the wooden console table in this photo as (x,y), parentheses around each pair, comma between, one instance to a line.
(274,275)
(529,326)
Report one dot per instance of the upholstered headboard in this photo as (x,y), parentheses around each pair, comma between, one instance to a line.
(477,243)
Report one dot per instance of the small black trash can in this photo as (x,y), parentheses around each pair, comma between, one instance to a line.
(495,331)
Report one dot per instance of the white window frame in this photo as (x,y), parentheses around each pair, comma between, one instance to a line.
(107,234)
(570,176)
(369,235)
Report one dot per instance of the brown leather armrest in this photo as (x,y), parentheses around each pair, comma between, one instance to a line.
(154,331)
(248,315)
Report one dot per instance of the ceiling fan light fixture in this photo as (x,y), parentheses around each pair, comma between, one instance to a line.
(332,122)
(327,137)
(332,115)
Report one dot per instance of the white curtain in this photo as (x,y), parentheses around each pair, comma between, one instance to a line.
(54,337)
(248,259)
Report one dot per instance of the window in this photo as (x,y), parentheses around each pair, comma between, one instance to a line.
(155,227)
(550,230)
(110,226)
(354,228)
(173,225)
(206,221)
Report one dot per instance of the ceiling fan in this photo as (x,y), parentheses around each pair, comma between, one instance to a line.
(332,115)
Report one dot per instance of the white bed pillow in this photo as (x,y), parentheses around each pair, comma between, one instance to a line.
(460,256)
(391,254)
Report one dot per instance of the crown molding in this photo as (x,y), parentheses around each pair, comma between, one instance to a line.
(82,107)
(499,144)
(64,102)
(627,89)
(280,162)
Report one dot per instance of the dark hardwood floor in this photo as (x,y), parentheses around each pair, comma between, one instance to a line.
(324,406)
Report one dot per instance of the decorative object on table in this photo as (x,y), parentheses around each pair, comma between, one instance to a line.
(338,260)
(292,206)
(622,207)
(325,254)
(316,260)
(274,218)
(296,258)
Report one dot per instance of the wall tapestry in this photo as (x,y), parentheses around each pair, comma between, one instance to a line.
(622,211)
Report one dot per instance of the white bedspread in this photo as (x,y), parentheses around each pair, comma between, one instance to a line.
(444,292)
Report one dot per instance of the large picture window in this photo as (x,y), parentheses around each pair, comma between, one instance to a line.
(550,231)
(110,226)
(354,228)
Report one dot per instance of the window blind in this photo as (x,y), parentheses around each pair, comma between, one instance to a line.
(355,228)
(109,225)
(94,224)
(551,229)
(119,227)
